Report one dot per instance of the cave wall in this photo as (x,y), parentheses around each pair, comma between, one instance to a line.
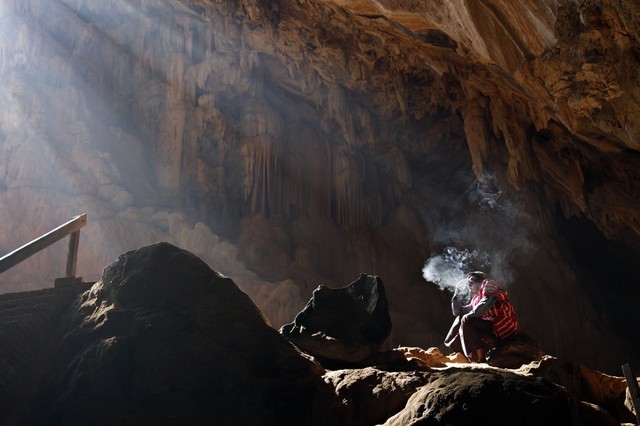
(302,143)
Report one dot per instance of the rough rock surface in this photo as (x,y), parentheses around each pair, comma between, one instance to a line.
(516,351)
(368,395)
(343,325)
(27,321)
(594,387)
(292,143)
(513,353)
(163,339)
(462,397)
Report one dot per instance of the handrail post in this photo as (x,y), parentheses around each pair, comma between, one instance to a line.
(634,389)
(72,254)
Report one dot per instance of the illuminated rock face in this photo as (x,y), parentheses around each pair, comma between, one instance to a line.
(162,338)
(346,325)
(303,143)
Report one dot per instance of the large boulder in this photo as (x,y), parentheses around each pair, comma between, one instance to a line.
(549,391)
(370,395)
(164,339)
(345,325)
(496,397)
(591,386)
(515,351)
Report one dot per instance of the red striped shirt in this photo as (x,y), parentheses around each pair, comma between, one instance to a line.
(502,315)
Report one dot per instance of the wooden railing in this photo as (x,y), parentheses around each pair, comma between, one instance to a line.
(71,228)
(634,389)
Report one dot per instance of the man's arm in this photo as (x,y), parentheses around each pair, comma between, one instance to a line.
(457,303)
(485,304)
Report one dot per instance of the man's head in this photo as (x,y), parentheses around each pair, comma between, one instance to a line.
(475,276)
(474,280)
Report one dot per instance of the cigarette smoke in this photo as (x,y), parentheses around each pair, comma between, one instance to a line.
(495,229)
(449,268)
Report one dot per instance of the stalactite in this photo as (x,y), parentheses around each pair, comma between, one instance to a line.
(539,117)
(520,167)
(401,167)
(189,160)
(337,101)
(262,128)
(259,118)
(169,147)
(400,90)
(564,168)
(307,176)
(224,66)
(251,66)
(187,34)
(196,77)
(262,177)
(343,113)
(366,127)
(475,128)
(248,166)
(347,184)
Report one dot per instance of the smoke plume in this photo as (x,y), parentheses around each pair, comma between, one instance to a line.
(495,228)
(449,268)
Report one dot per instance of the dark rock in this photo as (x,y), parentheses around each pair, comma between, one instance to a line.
(163,339)
(515,351)
(347,324)
(370,395)
(590,386)
(27,321)
(461,397)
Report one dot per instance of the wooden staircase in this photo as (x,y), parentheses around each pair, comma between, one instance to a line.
(27,320)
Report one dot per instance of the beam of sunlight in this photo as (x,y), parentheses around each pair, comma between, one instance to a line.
(70,77)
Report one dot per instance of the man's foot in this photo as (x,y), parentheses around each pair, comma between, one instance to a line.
(477,356)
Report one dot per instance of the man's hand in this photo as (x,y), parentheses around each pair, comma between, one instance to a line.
(466,317)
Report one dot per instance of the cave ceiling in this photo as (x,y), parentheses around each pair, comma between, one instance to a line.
(545,94)
(291,143)
(548,91)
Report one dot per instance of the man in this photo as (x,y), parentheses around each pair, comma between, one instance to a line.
(488,318)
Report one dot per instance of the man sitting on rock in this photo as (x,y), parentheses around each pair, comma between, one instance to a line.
(488,318)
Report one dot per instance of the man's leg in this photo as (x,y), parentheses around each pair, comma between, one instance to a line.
(472,344)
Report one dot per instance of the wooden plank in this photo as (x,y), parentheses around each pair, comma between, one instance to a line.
(26,251)
(634,389)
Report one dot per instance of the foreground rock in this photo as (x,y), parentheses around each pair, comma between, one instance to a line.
(451,391)
(344,325)
(163,339)
(498,398)
(324,134)
(602,390)
(370,395)
(515,351)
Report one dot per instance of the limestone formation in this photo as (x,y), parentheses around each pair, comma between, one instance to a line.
(459,397)
(27,321)
(343,326)
(516,351)
(291,143)
(164,339)
(369,394)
